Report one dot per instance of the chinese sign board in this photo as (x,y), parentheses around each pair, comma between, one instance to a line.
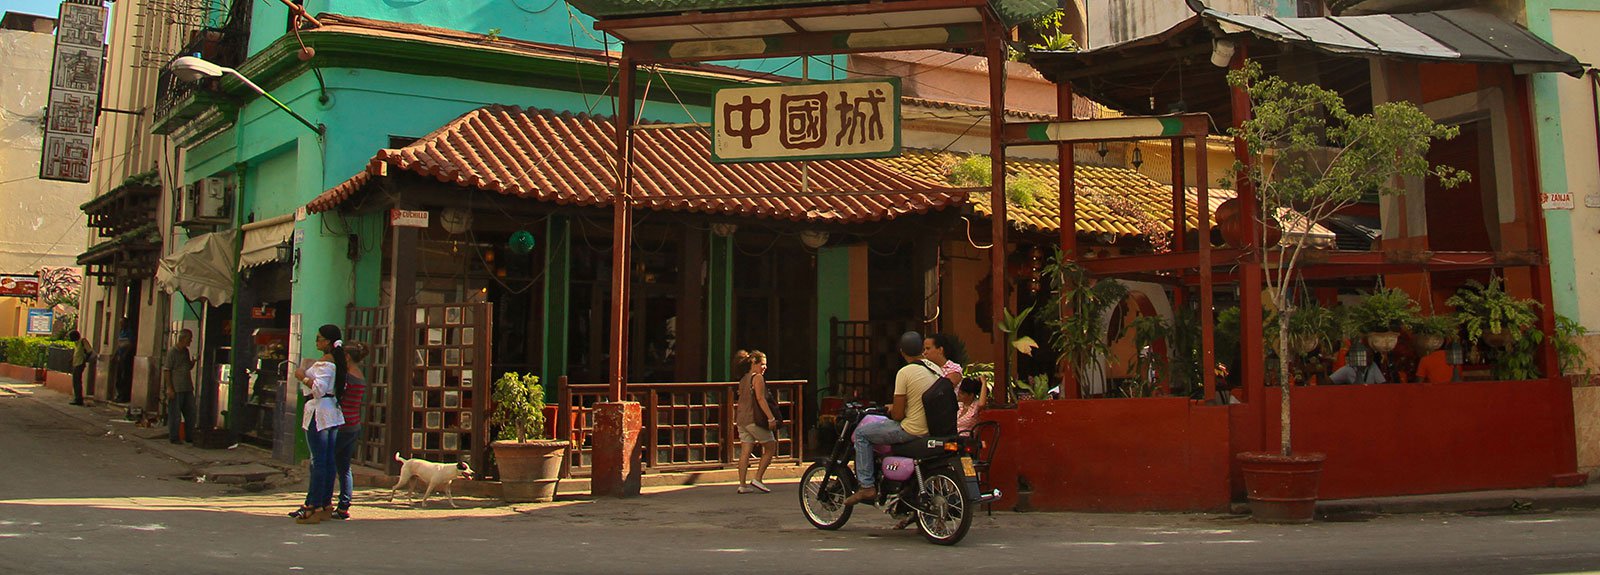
(74,91)
(40,320)
(19,286)
(807,121)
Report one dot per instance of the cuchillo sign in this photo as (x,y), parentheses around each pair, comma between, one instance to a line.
(408,218)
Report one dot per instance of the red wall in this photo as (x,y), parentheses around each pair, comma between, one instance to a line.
(1158,454)
(1433,438)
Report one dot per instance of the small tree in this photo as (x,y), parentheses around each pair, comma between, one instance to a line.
(518,407)
(1323,158)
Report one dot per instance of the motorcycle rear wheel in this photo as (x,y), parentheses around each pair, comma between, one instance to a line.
(823,505)
(949,514)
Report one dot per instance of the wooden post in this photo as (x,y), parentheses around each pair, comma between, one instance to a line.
(1208,351)
(1067,182)
(995,52)
(621,232)
(1180,216)
(1252,366)
(402,287)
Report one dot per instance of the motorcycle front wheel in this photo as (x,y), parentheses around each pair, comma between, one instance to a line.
(948,514)
(823,504)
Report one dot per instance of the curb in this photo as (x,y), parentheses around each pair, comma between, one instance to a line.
(1487,502)
(369,477)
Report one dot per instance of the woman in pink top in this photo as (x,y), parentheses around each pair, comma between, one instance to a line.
(945,351)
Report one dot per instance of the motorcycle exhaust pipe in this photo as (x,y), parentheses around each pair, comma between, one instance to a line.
(992,495)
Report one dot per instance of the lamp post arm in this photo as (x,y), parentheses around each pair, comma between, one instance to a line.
(318,128)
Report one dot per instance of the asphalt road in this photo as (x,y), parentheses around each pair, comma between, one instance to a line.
(75,500)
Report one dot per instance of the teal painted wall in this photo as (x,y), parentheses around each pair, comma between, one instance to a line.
(1552,160)
(833,301)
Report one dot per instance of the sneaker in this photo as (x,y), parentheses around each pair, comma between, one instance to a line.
(762,487)
(341,514)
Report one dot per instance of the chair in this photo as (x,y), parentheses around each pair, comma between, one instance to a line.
(985,440)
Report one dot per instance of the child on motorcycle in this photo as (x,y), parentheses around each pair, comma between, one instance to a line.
(907,420)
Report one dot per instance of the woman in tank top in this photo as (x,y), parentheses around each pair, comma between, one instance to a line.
(752,404)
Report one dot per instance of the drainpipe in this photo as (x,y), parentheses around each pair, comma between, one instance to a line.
(1594,92)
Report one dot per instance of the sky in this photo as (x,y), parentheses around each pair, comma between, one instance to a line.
(41,7)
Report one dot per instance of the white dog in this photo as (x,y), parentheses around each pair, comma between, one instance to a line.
(436,475)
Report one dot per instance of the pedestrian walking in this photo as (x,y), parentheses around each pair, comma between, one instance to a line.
(179,375)
(752,405)
(82,355)
(355,387)
(322,382)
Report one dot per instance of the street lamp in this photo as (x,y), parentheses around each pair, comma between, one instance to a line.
(194,69)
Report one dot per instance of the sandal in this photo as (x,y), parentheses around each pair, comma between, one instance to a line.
(303,510)
(308,516)
(341,514)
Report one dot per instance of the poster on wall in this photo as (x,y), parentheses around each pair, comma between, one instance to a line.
(74,102)
(40,320)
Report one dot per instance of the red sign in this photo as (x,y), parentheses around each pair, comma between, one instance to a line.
(19,286)
(263,312)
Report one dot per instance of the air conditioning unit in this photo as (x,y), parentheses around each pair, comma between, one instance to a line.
(208,202)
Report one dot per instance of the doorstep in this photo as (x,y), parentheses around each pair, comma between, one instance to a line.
(369,477)
(1494,501)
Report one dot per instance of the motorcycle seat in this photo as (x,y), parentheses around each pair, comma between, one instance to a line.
(923,447)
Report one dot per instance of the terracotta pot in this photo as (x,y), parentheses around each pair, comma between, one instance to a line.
(1427,344)
(1383,341)
(529,470)
(1282,489)
(39,374)
(1497,339)
(1231,221)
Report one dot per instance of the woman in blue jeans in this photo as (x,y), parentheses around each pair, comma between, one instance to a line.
(349,435)
(322,382)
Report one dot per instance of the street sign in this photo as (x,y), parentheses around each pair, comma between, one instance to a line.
(408,218)
(1556,201)
(19,286)
(74,102)
(40,320)
(807,121)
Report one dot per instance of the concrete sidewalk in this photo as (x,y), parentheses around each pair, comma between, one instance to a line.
(255,468)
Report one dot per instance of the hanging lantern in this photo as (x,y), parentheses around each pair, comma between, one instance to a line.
(1102,149)
(1138,158)
(521,242)
(1454,355)
(1359,356)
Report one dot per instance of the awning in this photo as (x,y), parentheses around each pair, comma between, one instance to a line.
(261,240)
(202,268)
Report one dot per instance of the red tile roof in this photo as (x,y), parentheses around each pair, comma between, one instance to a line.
(567,159)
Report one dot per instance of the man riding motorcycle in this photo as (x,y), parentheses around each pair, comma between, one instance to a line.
(907,418)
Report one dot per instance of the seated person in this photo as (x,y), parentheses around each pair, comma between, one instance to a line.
(1349,374)
(1435,368)
(906,422)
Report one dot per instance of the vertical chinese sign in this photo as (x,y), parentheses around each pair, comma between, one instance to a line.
(74,91)
(809,121)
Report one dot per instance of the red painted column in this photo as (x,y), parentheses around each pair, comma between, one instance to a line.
(1252,366)
(1180,216)
(997,202)
(616,435)
(1208,348)
(1067,181)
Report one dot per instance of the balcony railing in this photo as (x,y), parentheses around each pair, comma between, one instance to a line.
(685,425)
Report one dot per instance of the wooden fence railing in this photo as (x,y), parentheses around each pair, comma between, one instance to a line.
(685,425)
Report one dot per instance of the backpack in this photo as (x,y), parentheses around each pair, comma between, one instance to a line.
(939,406)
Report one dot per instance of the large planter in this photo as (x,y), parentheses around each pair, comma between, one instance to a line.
(1430,343)
(1231,220)
(529,470)
(1282,489)
(1497,339)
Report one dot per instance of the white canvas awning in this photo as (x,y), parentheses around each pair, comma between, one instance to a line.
(261,240)
(201,268)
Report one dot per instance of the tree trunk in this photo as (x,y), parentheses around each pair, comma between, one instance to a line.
(1283,377)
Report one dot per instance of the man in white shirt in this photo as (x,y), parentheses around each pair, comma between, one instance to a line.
(907,420)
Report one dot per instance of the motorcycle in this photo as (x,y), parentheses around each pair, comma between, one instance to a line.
(929,480)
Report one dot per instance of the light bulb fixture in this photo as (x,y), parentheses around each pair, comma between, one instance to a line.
(1138,158)
(813,239)
(1102,149)
(195,69)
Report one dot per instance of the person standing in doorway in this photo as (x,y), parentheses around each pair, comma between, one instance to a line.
(344,448)
(753,405)
(82,354)
(179,375)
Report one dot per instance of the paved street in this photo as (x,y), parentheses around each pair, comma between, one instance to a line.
(77,500)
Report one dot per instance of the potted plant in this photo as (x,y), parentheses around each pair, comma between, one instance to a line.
(1488,313)
(1324,158)
(529,462)
(1080,333)
(1382,314)
(1432,332)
